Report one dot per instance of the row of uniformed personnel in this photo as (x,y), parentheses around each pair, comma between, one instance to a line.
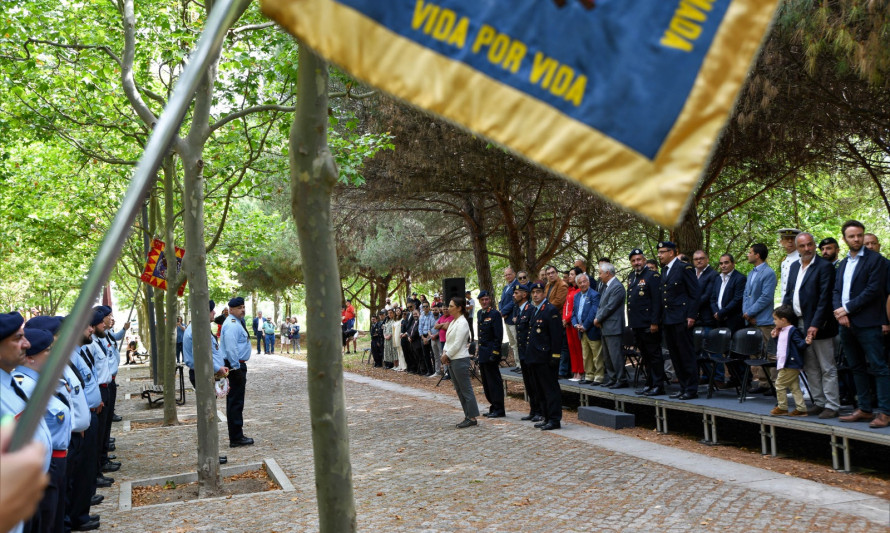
(76,428)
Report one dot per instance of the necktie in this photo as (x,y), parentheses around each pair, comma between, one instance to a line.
(18,391)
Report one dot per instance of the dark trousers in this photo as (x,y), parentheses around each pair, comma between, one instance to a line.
(104,423)
(428,356)
(83,478)
(260,337)
(108,411)
(565,359)
(534,397)
(410,361)
(377,352)
(50,516)
(649,345)
(546,384)
(270,343)
(178,352)
(72,468)
(493,386)
(235,402)
(192,376)
(864,347)
(679,343)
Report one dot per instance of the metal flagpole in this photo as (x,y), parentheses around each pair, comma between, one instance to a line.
(222,16)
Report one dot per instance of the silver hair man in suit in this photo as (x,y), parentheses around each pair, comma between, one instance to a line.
(610,319)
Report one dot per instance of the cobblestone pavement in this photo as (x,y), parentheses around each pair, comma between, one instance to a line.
(413,471)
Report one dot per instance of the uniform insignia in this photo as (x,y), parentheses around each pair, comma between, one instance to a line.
(487,319)
(61,417)
(77,389)
(642,283)
(19,379)
(656,274)
(538,330)
(689,266)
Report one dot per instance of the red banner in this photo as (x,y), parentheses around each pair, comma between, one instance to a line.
(155,272)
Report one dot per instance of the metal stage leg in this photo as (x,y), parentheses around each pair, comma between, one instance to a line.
(763,435)
(772,436)
(706,427)
(658,419)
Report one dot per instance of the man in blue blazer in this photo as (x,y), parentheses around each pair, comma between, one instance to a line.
(809,292)
(859,307)
(258,330)
(757,306)
(586,303)
(505,308)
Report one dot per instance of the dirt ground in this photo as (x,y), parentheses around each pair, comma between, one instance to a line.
(873,484)
(245,483)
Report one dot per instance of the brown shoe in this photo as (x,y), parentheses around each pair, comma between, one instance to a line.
(828,413)
(778,412)
(858,416)
(880,421)
(797,413)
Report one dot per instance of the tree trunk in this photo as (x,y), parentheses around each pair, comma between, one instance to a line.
(277,308)
(476,226)
(688,234)
(161,336)
(313,176)
(168,371)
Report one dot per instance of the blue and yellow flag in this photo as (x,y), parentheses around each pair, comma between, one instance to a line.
(626,98)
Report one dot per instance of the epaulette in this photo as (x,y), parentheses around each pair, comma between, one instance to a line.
(689,266)
(656,274)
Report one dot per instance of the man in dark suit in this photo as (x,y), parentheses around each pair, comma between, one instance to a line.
(505,308)
(258,331)
(522,315)
(859,307)
(643,316)
(680,307)
(808,292)
(545,337)
(490,328)
(727,295)
(610,319)
(707,277)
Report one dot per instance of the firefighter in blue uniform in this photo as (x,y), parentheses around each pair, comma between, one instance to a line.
(522,315)
(490,336)
(680,299)
(644,306)
(545,336)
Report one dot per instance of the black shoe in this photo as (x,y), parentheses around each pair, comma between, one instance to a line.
(223,459)
(688,396)
(111,457)
(643,391)
(607,384)
(550,425)
(466,423)
(675,395)
(111,447)
(89,526)
(495,415)
(96,499)
(527,418)
(594,383)
(111,440)
(518,370)
(654,392)
(94,518)
(116,418)
(541,424)
(243,441)
(103,482)
(537,418)
(619,385)
(111,467)
(584,382)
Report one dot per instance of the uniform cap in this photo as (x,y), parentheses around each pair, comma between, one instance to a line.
(789,232)
(40,340)
(635,251)
(536,285)
(49,323)
(827,240)
(482,293)
(236,302)
(667,244)
(521,287)
(212,305)
(10,323)
(99,314)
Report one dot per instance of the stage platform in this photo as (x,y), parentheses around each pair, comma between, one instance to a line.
(725,404)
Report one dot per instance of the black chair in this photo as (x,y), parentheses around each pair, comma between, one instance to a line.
(632,355)
(747,343)
(718,342)
(698,343)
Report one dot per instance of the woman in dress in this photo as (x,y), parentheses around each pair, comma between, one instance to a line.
(576,355)
(389,353)
(456,355)
(397,339)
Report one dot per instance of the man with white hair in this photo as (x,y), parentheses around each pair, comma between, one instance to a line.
(610,319)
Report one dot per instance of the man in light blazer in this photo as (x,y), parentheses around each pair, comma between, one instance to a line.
(858,304)
(610,319)
(809,292)
(586,304)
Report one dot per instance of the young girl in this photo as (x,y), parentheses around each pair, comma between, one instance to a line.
(789,361)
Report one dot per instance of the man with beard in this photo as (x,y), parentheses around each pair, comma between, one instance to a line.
(102,371)
(828,248)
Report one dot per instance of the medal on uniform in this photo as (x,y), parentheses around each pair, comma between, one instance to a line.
(641,293)
(538,330)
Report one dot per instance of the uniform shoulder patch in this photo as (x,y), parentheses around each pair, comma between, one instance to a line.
(19,378)
(656,274)
(232,319)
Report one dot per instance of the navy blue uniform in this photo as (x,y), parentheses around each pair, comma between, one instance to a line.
(545,336)
(490,336)
(644,306)
(680,298)
(522,320)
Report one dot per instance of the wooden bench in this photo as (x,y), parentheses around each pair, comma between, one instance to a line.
(150,389)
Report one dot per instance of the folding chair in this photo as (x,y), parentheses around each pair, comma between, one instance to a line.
(632,355)
(698,343)
(746,343)
(717,342)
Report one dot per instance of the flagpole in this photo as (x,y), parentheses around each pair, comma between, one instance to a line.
(221,17)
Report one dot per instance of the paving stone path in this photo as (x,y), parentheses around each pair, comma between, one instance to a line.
(413,471)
